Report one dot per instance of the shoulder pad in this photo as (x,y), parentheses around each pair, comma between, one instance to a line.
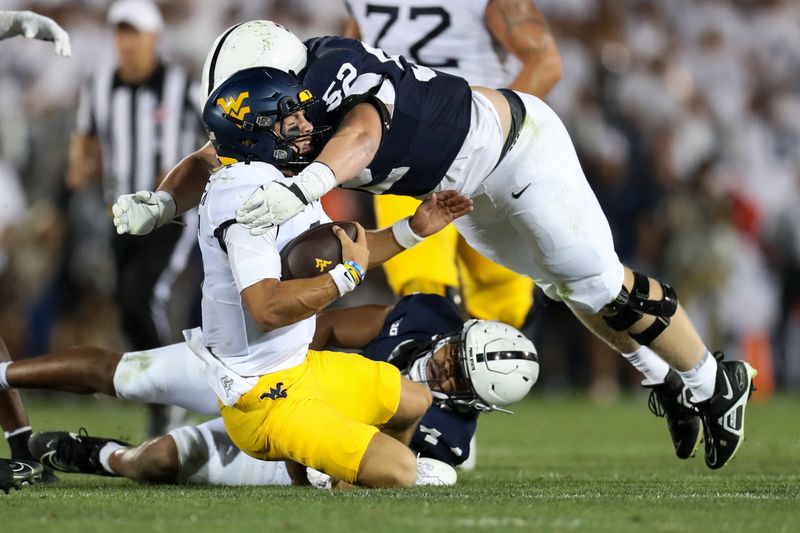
(231,186)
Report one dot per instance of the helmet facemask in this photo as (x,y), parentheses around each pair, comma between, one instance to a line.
(289,139)
(440,367)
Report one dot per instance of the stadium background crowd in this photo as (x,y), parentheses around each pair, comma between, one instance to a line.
(686,115)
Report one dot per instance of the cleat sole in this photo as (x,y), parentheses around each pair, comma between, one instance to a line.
(696,445)
(751,374)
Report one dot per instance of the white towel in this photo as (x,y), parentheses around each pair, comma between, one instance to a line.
(227,384)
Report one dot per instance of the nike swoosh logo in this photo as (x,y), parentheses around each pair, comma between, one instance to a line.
(21,468)
(728,395)
(516,195)
(51,459)
(711,452)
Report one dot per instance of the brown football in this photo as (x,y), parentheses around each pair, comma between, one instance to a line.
(315,251)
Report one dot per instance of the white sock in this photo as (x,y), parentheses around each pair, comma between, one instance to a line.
(17,431)
(3,375)
(648,363)
(105,453)
(702,379)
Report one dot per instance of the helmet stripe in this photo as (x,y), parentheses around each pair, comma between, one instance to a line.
(505,355)
(216,55)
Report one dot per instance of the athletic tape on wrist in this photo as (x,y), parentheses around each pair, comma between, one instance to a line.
(343,278)
(404,235)
(315,180)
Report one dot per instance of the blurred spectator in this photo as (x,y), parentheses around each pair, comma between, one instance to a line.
(136,120)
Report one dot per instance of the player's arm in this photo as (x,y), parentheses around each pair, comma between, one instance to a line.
(84,160)
(180,190)
(351,29)
(273,303)
(187,181)
(522,30)
(351,327)
(354,144)
(433,214)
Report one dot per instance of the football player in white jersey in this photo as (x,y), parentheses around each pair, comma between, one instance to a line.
(280,400)
(493,43)
(406,129)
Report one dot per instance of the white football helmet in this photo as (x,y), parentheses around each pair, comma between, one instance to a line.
(257,43)
(499,362)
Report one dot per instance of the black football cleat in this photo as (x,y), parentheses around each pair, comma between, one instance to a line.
(76,453)
(16,474)
(669,400)
(723,413)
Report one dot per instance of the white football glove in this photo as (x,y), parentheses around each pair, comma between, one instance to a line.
(278,201)
(34,26)
(142,212)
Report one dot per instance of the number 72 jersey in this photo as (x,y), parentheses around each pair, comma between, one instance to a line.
(447,35)
(431,112)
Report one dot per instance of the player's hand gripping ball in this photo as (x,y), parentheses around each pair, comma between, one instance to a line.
(315,251)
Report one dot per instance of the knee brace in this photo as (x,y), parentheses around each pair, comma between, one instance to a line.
(629,307)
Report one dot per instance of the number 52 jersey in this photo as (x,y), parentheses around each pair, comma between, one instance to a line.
(431,112)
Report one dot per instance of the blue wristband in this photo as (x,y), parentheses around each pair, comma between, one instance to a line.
(358,269)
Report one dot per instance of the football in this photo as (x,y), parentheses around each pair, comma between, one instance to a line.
(315,251)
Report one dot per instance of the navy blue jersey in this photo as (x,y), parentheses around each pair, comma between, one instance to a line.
(415,319)
(430,117)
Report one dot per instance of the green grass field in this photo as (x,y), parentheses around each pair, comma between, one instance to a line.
(559,464)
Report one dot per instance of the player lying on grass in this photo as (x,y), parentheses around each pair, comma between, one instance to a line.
(422,335)
(21,469)
(406,129)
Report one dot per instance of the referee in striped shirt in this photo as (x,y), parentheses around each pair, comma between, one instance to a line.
(135,121)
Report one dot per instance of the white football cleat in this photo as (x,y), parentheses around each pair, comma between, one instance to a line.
(318,479)
(472,459)
(433,472)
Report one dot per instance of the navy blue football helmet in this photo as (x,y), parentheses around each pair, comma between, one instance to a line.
(241,113)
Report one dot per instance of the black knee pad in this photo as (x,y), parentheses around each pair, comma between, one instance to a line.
(629,307)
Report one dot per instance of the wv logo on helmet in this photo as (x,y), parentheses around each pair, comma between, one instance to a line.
(275,393)
(233,106)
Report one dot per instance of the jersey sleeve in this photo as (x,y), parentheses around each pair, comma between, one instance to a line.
(252,258)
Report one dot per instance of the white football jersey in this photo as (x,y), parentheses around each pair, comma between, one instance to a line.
(446,35)
(234,260)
